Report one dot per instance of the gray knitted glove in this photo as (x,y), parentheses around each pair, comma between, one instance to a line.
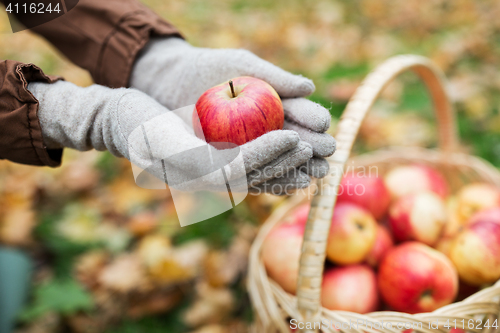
(131,124)
(176,74)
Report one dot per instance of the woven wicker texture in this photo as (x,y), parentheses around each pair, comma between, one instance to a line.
(274,307)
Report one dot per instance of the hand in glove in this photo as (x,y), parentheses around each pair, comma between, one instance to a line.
(131,124)
(176,74)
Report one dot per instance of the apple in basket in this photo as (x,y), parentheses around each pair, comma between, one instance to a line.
(352,234)
(350,288)
(418,216)
(475,197)
(299,215)
(366,191)
(238,111)
(281,253)
(383,243)
(491,214)
(408,179)
(415,278)
(475,251)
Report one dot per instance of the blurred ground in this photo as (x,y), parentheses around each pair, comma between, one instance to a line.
(87,225)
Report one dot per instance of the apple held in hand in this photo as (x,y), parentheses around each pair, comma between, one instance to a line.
(420,216)
(475,197)
(415,178)
(281,253)
(352,234)
(238,111)
(368,192)
(383,243)
(476,252)
(350,288)
(416,278)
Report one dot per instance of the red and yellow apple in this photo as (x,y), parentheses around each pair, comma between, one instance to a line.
(475,252)
(350,288)
(281,253)
(299,214)
(415,278)
(409,179)
(368,192)
(383,243)
(443,245)
(238,111)
(475,197)
(352,234)
(419,216)
(490,214)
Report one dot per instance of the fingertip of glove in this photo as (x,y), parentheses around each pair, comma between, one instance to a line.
(305,149)
(303,180)
(307,113)
(290,136)
(316,167)
(324,146)
(305,86)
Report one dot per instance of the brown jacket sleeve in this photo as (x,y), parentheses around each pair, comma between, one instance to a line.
(102,36)
(20,133)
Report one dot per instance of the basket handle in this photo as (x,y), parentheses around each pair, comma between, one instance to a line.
(319,219)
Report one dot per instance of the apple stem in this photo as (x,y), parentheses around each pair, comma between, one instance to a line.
(232,88)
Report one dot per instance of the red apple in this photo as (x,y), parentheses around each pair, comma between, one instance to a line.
(476,252)
(416,278)
(281,253)
(415,178)
(383,243)
(475,197)
(453,223)
(491,214)
(457,330)
(352,234)
(368,192)
(299,215)
(419,216)
(238,111)
(350,288)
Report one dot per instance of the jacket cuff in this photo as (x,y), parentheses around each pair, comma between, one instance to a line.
(125,42)
(21,138)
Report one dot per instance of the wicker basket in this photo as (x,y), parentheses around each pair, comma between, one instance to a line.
(274,307)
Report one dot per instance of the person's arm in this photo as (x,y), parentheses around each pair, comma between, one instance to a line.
(104,36)
(21,138)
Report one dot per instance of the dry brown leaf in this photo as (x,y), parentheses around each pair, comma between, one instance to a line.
(212,306)
(191,256)
(383,128)
(49,323)
(169,271)
(88,267)
(211,329)
(153,303)
(142,223)
(153,249)
(124,275)
(16,227)
(124,194)
(343,90)
(78,177)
